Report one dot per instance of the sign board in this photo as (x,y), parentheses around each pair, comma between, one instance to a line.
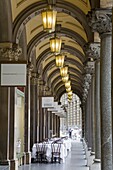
(13,74)
(47,102)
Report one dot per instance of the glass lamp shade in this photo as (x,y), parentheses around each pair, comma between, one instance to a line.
(70,93)
(70,97)
(67,84)
(55,45)
(49,20)
(63,71)
(68,89)
(65,79)
(59,60)
(69,100)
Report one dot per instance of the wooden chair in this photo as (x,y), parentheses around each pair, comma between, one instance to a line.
(41,153)
(55,152)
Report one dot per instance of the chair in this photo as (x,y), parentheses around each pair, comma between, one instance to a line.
(41,153)
(55,152)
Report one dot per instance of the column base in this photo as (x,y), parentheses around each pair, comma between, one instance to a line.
(4,162)
(92,153)
(13,165)
(24,159)
(89,149)
(28,157)
(97,160)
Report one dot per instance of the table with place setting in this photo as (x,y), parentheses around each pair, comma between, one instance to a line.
(65,146)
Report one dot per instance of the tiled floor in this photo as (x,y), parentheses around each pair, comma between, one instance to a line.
(74,161)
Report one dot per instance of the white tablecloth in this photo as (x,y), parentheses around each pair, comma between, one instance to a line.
(63,151)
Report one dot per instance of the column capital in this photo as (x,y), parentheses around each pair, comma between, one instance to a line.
(100,20)
(29,68)
(10,52)
(34,78)
(92,50)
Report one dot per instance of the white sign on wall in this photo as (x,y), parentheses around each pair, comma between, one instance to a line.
(13,75)
(47,102)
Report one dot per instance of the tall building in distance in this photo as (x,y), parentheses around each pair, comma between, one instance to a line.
(73,112)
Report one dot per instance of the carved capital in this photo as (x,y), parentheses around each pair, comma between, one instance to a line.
(92,50)
(29,68)
(34,78)
(10,53)
(100,20)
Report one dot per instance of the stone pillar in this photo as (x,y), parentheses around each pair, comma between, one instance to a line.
(94,52)
(13,162)
(6,21)
(46,124)
(58,126)
(83,120)
(9,52)
(4,122)
(40,110)
(33,110)
(101,21)
(87,99)
(51,125)
(97,113)
(89,123)
(27,116)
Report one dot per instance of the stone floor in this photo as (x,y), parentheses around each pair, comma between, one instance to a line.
(74,161)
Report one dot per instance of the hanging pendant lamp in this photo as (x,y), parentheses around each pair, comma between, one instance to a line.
(65,78)
(55,45)
(67,84)
(49,19)
(64,71)
(68,89)
(59,60)
(70,93)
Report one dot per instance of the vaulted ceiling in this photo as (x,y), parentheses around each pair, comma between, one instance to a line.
(74,32)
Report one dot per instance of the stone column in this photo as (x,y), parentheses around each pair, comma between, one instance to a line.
(83,120)
(13,163)
(33,110)
(97,113)
(51,123)
(9,52)
(58,126)
(89,123)
(101,21)
(27,116)
(40,110)
(46,126)
(4,124)
(87,99)
(94,52)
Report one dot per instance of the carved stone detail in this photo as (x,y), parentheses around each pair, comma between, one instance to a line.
(100,20)
(92,50)
(10,54)
(29,68)
(86,86)
(34,78)
(89,67)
